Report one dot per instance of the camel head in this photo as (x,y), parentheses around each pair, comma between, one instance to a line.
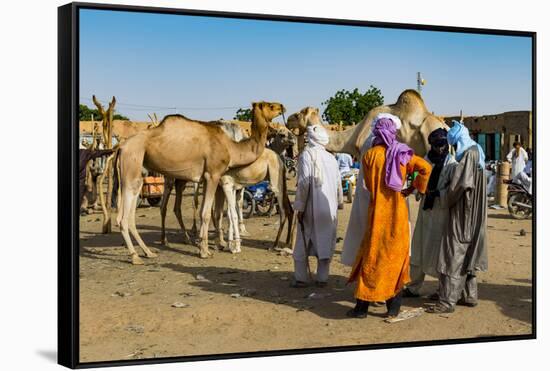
(417,121)
(299,121)
(282,135)
(266,110)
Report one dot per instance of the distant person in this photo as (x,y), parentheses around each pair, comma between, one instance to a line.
(432,214)
(381,266)
(464,244)
(345,162)
(518,157)
(86,155)
(318,196)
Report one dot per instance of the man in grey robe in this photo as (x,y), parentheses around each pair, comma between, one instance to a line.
(464,246)
(318,198)
(432,214)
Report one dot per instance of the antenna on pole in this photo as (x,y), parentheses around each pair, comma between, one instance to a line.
(419,82)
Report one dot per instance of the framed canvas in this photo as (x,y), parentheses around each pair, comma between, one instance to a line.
(336,185)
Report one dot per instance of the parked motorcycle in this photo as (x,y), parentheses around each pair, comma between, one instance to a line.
(259,199)
(520,202)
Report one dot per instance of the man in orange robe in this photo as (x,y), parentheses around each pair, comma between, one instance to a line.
(381,267)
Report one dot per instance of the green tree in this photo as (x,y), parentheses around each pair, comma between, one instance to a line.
(351,106)
(85,114)
(243,114)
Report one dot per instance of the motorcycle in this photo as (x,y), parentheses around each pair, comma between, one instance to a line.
(259,199)
(520,201)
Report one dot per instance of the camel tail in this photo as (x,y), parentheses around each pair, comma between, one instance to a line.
(116,187)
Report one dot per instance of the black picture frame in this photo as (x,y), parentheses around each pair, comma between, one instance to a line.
(68,210)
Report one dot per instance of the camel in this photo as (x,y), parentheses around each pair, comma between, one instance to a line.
(417,124)
(268,165)
(234,182)
(190,150)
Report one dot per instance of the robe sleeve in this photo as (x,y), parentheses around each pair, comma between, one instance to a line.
(424,170)
(509,155)
(366,172)
(304,178)
(443,194)
(461,181)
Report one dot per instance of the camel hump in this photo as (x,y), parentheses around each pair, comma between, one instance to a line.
(410,98)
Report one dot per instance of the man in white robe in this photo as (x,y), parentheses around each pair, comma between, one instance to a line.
(318,197)
(432,214)
(518,157)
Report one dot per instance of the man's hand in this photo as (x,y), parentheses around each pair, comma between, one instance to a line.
(300,217)
(407,191)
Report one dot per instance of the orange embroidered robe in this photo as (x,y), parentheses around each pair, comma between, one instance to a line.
(382,264)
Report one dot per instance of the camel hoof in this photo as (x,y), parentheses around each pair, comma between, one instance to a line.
(205,254)
(244,232)
(151,255)
(136,260)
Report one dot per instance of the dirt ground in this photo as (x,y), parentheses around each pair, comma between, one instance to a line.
(127,312)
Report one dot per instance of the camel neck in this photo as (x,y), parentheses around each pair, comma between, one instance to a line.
(251,148)
(343,141)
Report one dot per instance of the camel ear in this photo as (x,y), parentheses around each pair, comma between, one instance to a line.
(261,105)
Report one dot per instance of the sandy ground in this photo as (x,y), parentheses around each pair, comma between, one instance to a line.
(126,311)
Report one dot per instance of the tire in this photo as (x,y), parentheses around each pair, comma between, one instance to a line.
(248,204)
(154,201)
(266,209)
(516,211)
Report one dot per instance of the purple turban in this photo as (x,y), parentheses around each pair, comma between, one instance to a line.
(397,153)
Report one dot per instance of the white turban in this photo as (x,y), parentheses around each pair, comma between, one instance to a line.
(394,118)
(317,135)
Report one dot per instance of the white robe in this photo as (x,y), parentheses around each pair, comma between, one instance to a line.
(358,222)
(428,230)
(518,161)
(319,204)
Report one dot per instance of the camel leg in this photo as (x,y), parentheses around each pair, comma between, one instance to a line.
(168,185)
(234,217)
(195,208)
(282,219)
(242,227)
(180,186)
(128,200)
(211,183)
(134,231)
(218,219)
(234,237)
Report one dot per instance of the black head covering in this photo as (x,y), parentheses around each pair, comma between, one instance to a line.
(437,138)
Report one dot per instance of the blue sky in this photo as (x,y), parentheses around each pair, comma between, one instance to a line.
(206,67)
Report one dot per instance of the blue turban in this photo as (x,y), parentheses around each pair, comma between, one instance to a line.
(460,136)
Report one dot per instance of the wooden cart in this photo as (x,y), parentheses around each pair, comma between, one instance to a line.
(152,189)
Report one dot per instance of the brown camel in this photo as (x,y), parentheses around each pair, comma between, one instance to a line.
(417,124)
(190,150)
(267,165)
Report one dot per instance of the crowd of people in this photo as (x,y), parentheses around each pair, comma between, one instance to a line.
(388,260)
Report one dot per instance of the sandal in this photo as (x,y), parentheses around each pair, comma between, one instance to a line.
(440,309)
(321,284)
(407,293)
(298,284)
(466,303)
(356,313)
